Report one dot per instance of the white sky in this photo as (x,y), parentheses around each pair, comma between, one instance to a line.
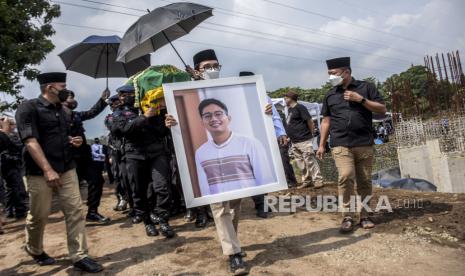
(382,37)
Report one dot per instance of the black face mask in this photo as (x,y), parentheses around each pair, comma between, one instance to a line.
(63,94)
(129,101)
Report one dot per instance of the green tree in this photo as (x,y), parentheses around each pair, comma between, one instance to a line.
(25,26)
(309,95)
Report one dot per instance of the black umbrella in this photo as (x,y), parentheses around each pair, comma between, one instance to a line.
(95,56)
(159,27)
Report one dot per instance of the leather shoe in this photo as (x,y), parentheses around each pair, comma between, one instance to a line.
(150,230)
(123,205)
(237,266)
(137,219)
(88,265)
(201,220)
(166,230)
(42,259)
(96,217)
(189,217)
(154,218)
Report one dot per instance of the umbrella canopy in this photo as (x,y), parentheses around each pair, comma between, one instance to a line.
(95,57)
(159,27)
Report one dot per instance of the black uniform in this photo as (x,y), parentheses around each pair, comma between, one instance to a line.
(147,162)
(115,144)
(120,141)
(351,122)
(82,154)
(12,173)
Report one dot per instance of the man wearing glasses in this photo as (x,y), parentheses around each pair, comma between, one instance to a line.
(226,214)
(228,161)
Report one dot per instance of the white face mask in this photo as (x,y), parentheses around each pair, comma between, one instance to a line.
(335,80)
(211,74)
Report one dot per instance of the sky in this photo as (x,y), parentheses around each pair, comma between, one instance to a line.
(285,41)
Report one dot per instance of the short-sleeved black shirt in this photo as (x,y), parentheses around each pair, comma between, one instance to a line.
(296,124)
(50,125)
(351,122)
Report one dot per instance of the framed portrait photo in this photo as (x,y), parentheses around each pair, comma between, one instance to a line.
(225,144)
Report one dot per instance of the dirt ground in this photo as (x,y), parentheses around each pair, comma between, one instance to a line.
(425,235)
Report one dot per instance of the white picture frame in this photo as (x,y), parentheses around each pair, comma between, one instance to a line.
(226,85)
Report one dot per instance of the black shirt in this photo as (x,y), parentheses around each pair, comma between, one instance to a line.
(144,137)
(4,141)
(296,124)
(50,125)
(350,121)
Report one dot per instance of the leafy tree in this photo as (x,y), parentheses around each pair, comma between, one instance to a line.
(25,26)
(309,95)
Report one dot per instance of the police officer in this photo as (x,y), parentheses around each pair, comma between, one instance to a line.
(123,92)
(83,155)
(11,166)
(115,143)
(347,114)
(147,165)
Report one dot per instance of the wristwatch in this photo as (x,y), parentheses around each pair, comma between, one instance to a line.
(362,102)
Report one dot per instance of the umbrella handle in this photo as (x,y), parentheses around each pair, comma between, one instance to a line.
(164,34)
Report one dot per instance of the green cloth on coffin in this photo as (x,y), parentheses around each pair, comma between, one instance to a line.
(148,83)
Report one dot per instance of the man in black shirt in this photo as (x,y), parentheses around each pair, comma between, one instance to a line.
(44,128)
(147,164)
(85,168)
(5,130)
(347,116)
(11,171)
(299,128)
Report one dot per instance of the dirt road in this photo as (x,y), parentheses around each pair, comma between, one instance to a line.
(411,241)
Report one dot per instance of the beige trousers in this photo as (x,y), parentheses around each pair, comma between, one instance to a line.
(226,216)
(354,167)
(307,163)
(40,196)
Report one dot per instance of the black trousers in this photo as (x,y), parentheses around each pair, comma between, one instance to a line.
(259,201)
(16,195)
(149,180)
(288,170)
(120,190)
(95,185)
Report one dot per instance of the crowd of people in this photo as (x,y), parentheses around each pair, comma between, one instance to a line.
(139,155)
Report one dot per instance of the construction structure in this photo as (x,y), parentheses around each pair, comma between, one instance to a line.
(433,148)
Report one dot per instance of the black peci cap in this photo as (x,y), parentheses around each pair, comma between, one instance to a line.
(51,77)
(338,62)
(245,73)
(203,56)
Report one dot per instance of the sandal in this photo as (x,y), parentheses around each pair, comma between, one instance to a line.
(347,225)
(366,223)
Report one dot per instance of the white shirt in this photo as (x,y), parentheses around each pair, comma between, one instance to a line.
(238,163)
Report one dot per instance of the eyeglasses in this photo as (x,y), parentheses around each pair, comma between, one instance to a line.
(209,116)
(208,67)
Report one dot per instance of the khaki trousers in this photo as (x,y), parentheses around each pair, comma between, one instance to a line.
(354,167)
(40,196)
(307,163)
(226,216)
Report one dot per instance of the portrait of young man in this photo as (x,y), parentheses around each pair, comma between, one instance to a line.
(228,161)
